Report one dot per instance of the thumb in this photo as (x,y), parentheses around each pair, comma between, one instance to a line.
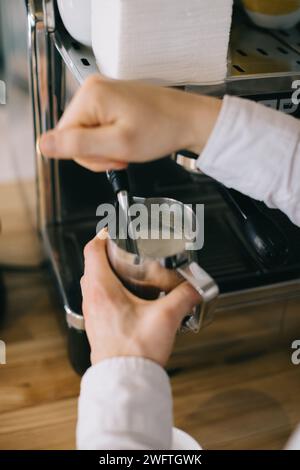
(179,302)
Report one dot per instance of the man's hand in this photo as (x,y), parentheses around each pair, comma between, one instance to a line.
(120,324)
(111,123)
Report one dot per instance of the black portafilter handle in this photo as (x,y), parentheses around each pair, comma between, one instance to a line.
(119,180)
(264,236)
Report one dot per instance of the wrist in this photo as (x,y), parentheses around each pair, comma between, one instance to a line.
(102,350)
(203,115)
(97,358)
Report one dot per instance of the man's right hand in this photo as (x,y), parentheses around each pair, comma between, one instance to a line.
(111,123)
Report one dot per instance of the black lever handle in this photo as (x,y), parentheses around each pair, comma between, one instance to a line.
(118,180)
(265,237)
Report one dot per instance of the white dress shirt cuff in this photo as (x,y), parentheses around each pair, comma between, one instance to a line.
(125,402)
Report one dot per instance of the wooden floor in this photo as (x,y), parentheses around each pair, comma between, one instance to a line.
(226,401)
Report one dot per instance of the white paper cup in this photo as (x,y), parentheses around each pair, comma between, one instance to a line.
(76,16)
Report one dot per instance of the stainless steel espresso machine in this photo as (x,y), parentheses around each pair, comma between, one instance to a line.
(261,66)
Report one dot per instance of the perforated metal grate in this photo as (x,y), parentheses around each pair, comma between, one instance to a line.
(290,38)
(253,53)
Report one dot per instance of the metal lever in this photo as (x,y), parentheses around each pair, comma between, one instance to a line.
(120,185)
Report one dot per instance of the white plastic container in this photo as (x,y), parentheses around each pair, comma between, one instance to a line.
(169,42)
(76,16)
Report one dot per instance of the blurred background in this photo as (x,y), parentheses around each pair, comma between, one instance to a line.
(17,170)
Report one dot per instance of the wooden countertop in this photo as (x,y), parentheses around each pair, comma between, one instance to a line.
(226,398)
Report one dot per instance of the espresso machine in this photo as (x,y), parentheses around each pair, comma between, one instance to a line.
(261,66)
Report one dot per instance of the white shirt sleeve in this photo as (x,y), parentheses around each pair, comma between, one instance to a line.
(256,150)
(125,403)
(294,441)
